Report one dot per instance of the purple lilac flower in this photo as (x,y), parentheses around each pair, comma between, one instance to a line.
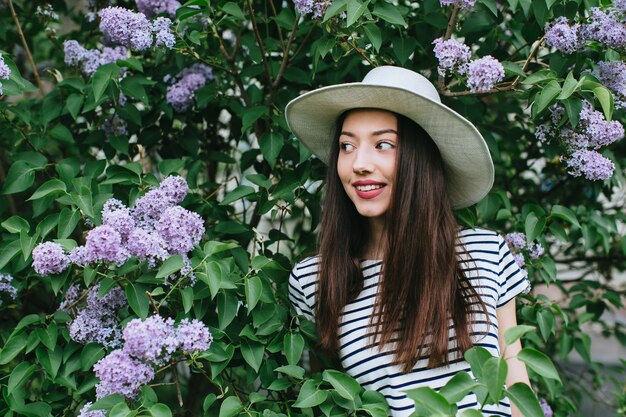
(599,131)
(122,221)
(452,55)
(120,374)
(556,113)
(180,95)
(484,73)
(147,245)
(115,126)
(154,7)
(121,26)
(5,72)
(93,59)
(180,228)
(517,240)
(150,207)
(317,7)
(175,188)
(536,250)
(543,132)
(79,255)
(184,277)
(165,38)
(6,286)
(605,26)
(519,260)
(193,335)
(620,5)
(121,101)
(545,407)
(591,164)
(563,36)
(71,296)
(105,244)
(574,139)
(84,412)
(464,4)
(113,300)
(152,339)
(613,76)
(91,327)
(74,52)
(49,258)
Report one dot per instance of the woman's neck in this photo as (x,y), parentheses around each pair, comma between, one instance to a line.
(375,247)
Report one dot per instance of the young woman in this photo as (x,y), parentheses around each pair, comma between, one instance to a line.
(398,291)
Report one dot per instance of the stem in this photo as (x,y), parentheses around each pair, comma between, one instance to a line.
(359,51)
(154,307)
(178,393)
(283,64)
(278,28)
(26,48)
(257,34)
(441,81)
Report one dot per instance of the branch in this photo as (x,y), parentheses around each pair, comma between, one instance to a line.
(283,64)
(279,29)
(359,50)
(257,34)
(26,48)
(441,82)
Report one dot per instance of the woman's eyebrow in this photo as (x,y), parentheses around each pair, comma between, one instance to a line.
(375,133)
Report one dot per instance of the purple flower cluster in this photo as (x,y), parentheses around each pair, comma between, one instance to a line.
(6,287)
(5,72)
(180,94)
(613,76)
(49,258)
(120,374)
(563,36)
(484,73)
(606,26)
(84,412)
(97,322)
(463,4)
(590,164)
(545,407)
(317,7)
(597,129)
(147,342)
(181,229)
(153,7)
(516,240)
(114,126)
(452,56)
(518,244)
(120,26)
(91,59)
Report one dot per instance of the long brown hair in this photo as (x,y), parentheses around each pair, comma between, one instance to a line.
(422,283)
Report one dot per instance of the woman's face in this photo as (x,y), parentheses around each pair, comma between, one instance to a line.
(367,159)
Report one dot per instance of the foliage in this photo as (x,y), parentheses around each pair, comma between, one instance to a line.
(71,139)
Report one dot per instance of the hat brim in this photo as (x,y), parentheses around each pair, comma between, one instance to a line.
(312,117)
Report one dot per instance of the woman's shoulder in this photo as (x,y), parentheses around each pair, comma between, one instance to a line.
(306,266)
(479,236)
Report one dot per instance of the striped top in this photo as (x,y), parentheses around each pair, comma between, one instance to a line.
(493,273)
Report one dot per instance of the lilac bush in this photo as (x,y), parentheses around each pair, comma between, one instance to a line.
(49,258)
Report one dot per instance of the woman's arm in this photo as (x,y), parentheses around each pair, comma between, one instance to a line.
(517,369)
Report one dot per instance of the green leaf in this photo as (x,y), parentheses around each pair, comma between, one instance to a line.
(101,79)
(12,348)
(534,226)
(19,375)
(497,369)
(84,201)
(74,103)
(187,298)
(336,7)
(539,362)
(427,399)
(20,177)
(294,346)
(605,98)
(540,76)
(310,395)
(226,309)
(403,48)
(374,35)
(514,333)
(491,5)
(230,407)
(354,11)
(91,354)
(137,299)
(389,13)
(253,289)
(53,186)
(170,166)
(476,357)
(35,409)
(251,115)
(524,398)
(9,251)
(566,214)
(120,410)
(271,145)
(233,9)
(569,86)
(132,63)
(107,403)
(513,68)
(458,387)
(344,384)
(252,353)
(236,194)
(15,224)
(160,410)
(293,371)
(171,265)
(68,219)
(545,97)
(471,413)
(61,134)
(573,107)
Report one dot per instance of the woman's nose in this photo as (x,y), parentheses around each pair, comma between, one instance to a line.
(362,161)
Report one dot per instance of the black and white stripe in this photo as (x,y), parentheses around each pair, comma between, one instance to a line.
(493,273)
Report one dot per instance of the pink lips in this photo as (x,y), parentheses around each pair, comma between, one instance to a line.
(370,193)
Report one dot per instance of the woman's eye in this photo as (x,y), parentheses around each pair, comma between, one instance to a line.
(385,146)
(346,147)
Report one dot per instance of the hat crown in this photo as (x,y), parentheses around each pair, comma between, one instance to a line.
(402,78)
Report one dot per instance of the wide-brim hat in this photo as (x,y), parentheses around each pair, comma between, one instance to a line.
(312,117)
